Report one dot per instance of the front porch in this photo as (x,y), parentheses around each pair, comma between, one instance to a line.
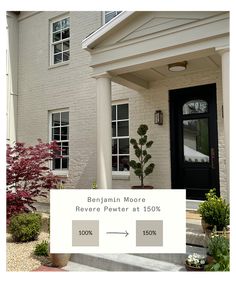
(135,50)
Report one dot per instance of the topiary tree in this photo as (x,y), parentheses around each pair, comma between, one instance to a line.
(140,147)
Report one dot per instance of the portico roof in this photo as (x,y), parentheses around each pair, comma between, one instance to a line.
(136,42)
(94,38)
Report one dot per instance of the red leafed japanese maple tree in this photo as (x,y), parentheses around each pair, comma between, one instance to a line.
(29,175)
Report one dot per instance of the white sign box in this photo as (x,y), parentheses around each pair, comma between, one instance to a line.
(117,221)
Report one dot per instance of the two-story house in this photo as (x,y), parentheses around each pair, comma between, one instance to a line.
(89,79)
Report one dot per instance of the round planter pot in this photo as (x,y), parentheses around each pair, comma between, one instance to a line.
(206,227)
(140,187)
(59,259)
(192,268)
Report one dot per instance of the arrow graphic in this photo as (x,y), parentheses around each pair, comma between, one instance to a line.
(118,233)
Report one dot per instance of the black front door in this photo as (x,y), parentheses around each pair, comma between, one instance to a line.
(194,152)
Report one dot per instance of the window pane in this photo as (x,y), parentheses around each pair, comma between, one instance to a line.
(110,15)
(65,148)
(65,163)
(56,164)
(114,146)
(65,118)
(114,163)
(195,107)
(124,146)
(124,163)
(66,45)
(123,111)
(113,129)
(123,128)
(56,133)
(60,133)
(56,119)
(196,140)
(65,23)
(65,34)
(66,56)
(56,36)
(64,133)
(58,152)
(120,146)
(56,26)
(57,58)
(113,113)
(57,48)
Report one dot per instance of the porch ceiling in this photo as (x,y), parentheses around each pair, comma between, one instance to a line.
(139,80)
(152,74)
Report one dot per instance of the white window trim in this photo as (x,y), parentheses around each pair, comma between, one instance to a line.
(122,174)
(103,18)
(52,21)
(64,172)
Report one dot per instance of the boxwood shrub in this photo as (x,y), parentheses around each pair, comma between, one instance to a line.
(25,227)
(215,211)
(42,249)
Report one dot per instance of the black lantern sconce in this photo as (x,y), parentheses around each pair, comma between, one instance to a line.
(158,117)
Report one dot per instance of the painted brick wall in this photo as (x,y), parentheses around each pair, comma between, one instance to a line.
(142,107)
(42,88)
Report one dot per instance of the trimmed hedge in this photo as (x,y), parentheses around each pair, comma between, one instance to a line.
(25,227)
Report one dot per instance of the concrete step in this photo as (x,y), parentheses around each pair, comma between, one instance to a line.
(73,266)
(194,232)
(195,236)
(177,258)
(192,205)
(124,262)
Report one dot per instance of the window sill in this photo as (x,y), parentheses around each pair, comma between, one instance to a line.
(59,65)
(120,176)
(61,173)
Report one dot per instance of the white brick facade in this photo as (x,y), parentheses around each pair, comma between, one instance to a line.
(142,108)
(42,88)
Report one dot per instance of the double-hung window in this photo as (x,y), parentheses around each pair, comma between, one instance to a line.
(120,138)
(60,40)
(59,129)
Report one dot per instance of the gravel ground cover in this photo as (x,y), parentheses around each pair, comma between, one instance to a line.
(20,256)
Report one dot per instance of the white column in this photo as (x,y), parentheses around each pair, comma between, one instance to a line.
(225,89)
(104,133)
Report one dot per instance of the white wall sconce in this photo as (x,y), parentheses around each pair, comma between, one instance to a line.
(178,66)
(158,117)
